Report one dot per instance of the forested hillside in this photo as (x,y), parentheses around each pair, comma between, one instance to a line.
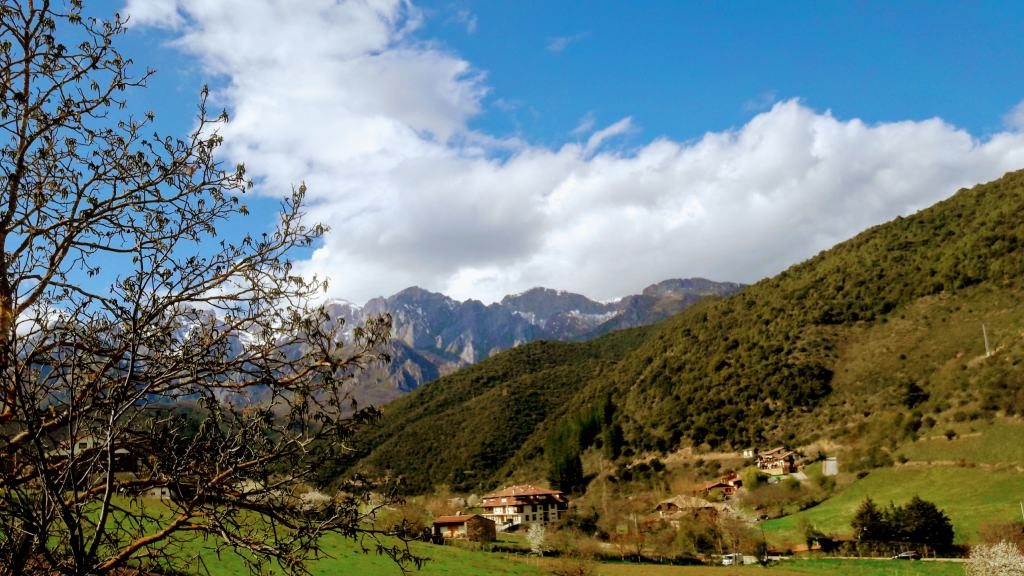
(839,346)
(461,429)
(731,371)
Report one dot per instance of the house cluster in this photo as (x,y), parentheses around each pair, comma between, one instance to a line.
(503,510)
(679,508)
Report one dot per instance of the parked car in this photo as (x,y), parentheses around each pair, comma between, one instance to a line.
(909,555)
(732,560)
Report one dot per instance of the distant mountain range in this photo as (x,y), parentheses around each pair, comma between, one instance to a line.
(434,335)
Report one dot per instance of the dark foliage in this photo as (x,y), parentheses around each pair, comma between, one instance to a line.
(917,522)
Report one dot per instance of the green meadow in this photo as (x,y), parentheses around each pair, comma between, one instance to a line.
(998,442)
(970,496)
(795,568)
(343,556)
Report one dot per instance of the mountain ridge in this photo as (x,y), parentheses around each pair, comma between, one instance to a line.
(434,334)
(810,353)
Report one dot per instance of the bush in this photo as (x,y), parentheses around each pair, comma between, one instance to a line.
(995,532)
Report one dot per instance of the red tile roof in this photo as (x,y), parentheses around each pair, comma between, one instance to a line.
(461,519)
(523,490)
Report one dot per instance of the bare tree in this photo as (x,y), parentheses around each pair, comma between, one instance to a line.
(536,536)
(1002,559)
(162,388)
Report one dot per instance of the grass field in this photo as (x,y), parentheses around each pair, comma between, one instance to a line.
(342,556)
(969,496)
(998,442)
(795,568)
(454,561)
(345,558)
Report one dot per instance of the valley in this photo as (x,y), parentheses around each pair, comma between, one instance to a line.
(511,288)
(871,353)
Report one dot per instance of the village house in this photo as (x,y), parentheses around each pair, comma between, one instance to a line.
(726,486)
(678,508)
(472,527)
(777,462)
(524,504)
(84,452)
(682,506)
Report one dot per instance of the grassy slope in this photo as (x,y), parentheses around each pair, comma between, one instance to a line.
(969,496)
(996,442)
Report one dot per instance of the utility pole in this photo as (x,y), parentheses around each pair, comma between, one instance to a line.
(984,332)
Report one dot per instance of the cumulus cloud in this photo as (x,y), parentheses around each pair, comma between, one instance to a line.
(162,13)
(343,96)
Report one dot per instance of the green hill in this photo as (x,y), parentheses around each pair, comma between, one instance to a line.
(464,429)
(877,340)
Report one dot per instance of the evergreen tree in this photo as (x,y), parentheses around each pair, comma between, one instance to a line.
(870,523)
(923,523)
(917,522)
(565,468)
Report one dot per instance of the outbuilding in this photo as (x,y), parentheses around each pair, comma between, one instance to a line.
(472,527)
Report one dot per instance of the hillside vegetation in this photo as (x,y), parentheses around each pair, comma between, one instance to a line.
(462,429)
(873,342)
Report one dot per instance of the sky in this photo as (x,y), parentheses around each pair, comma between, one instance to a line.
(483,148)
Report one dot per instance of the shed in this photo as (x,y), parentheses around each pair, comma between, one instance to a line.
(830,467)
(473,527)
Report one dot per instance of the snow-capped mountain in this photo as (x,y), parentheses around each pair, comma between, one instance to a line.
(433,334)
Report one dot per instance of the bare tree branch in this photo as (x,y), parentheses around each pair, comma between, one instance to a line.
(158,380)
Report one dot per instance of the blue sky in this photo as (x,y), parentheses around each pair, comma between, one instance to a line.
(681,69)
(481,148)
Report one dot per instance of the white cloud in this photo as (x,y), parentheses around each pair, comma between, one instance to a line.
(154,13)
(341,95)
(617,129)
(586,124)
(1014,119)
